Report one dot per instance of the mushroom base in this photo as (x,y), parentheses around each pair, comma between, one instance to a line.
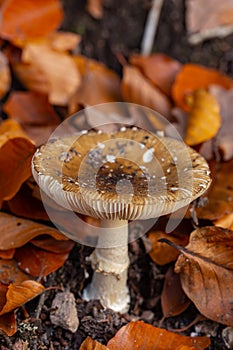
(109,283)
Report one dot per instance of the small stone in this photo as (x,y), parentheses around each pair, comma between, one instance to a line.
(64,312)
(227,335)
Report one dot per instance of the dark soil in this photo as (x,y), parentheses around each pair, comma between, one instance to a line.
(120,31)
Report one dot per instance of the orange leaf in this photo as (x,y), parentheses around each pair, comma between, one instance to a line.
(19,294)
(192,77)
(26,19)
(10,272)
(5,75)
(137,89)
(7,254)
(206,272)
(204,119)
(51,67)
(158,68)
(139,336)
(52,245)
(99,84)
(173,299)
(161,253)
(29,108)
(226,221)
(220,194)
(39,262)
(15,165)
(91,344)
(15,232)
(8,323)
(95,8)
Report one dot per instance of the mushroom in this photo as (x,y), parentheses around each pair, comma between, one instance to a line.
(116,177)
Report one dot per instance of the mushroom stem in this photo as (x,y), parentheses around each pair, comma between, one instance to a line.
(110,264)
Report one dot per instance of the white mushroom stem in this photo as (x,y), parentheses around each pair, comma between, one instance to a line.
(109,282)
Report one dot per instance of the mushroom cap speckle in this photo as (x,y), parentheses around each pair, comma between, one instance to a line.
(129,174)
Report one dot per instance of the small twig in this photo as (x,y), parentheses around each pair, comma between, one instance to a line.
(151,27)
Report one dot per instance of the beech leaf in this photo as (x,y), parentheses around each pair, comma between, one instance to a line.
(91,344)
(206,272)
(8,323)
(139,336)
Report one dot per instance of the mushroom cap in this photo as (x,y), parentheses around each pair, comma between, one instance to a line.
(129,174)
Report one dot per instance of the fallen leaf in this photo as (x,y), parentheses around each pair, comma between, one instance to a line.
(161,253)
(7,254)
(91,344)
(39,262)
(19,294)
(173,299)
(160,69)
(5,75)
(226,221)
(217,21)
(10,272)
(220,194)
(8,323)
(137,89)
(192,77)
(53,65)
(206,272)
(30,108)
(16,151)
(15,232)
(204,119)
(139,336)
(99,84)
(52,245)
(95,8)
(28,19)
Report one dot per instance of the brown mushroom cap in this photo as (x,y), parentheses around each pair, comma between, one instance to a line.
(128,175)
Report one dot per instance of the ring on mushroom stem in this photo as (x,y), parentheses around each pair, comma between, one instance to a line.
(125,175)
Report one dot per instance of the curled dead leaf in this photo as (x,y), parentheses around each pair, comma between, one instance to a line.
(206,272)
(204,119)
(8,323)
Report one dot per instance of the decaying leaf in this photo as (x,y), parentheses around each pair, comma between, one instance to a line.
(19,294)
(158,68)
(204,119)
(91,344)
(220,194)
(10,272)
(206,272)
(139,336)
(53,65)
(16,151)
(161,253)
(28,19)
(192,77)
(15,232)
(173,299)
(8,323)
(137,89)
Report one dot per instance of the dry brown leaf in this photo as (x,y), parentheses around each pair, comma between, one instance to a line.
(30,108)
(10,272)
(99,84)
(95,8)
(217,21)
(220,194)
(8,323)
(15,232)
(38,262)
(192,77)
(53,67)
(52,245)
(28,19)
(91,344)
(204,119)
(226,221)
(7,254)
(158,68)
(137,89)
(206,272)
(161,253)
(173,299)
(139,336)
(5,75)
(19,294)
